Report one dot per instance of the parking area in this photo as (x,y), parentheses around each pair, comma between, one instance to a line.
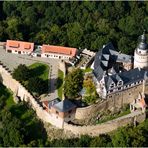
(13,60)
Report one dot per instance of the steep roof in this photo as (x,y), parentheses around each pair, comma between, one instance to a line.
(51,103)
(64,106)
(105,61)
(128,77)
(19,45)
(59,50)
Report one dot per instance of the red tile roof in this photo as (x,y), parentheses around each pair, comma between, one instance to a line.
(59,50)
(19,45)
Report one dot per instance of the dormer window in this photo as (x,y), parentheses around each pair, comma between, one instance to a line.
(112,85)
(120,83)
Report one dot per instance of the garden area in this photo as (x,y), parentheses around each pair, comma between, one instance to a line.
(33,77)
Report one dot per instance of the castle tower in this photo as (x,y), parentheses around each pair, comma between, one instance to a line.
(141,53)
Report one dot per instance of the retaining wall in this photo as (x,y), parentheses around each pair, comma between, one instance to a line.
(113,102)
(106,127)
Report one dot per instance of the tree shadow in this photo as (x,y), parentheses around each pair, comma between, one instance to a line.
(59,83)
(37,71)
(52,84)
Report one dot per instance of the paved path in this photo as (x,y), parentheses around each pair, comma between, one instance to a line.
(13,60)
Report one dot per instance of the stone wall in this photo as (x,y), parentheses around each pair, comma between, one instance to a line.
(106,127)
(113,102)
(24,95)
(21,92)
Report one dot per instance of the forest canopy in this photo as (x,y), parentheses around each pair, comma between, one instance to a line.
(80,24)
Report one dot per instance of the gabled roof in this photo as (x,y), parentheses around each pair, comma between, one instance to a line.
(112,71)
(105,57)
(108,81)
(19,45)
(64,106)
(59,50)
(51,103)
(128,77)
(98,72)
(105,63)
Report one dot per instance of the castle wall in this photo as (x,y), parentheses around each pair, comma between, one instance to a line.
(107,126)
(24,95)
(42,114)
(113,102)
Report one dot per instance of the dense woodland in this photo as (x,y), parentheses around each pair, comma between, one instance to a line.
(75,24)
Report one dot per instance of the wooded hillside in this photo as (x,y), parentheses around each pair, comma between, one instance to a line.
(76,24)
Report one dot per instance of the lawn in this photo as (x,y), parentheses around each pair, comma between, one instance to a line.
(40,70)
(60,83)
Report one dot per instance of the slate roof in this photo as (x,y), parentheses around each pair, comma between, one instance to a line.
(106,59)
(64,106)
(53,102)
(142,44)
(128,77)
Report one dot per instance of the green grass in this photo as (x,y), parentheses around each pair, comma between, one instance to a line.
(60,83)
(40,70)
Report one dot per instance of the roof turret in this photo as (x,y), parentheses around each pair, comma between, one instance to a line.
(142,42)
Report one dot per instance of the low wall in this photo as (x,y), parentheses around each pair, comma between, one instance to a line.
(106,127)
(113,102)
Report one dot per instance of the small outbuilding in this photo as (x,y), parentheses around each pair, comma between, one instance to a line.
(61,111)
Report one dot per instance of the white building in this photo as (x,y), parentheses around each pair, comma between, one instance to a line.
(58,52)
(141,54)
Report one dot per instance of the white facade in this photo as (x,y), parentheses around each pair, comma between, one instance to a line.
(140,60)
(18,52)
(55,56)
(141,54)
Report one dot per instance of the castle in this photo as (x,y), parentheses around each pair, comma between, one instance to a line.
(115,72)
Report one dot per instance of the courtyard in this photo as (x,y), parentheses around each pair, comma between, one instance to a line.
(13,60)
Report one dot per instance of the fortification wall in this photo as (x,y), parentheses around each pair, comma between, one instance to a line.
(107,126)
(24,95)
(20,91)
(113,102)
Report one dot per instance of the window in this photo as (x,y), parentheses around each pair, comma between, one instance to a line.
(120,83)
(57,112)
(112,85)
(69,111)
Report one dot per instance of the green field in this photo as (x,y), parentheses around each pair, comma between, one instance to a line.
(60,83)
(40,70)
